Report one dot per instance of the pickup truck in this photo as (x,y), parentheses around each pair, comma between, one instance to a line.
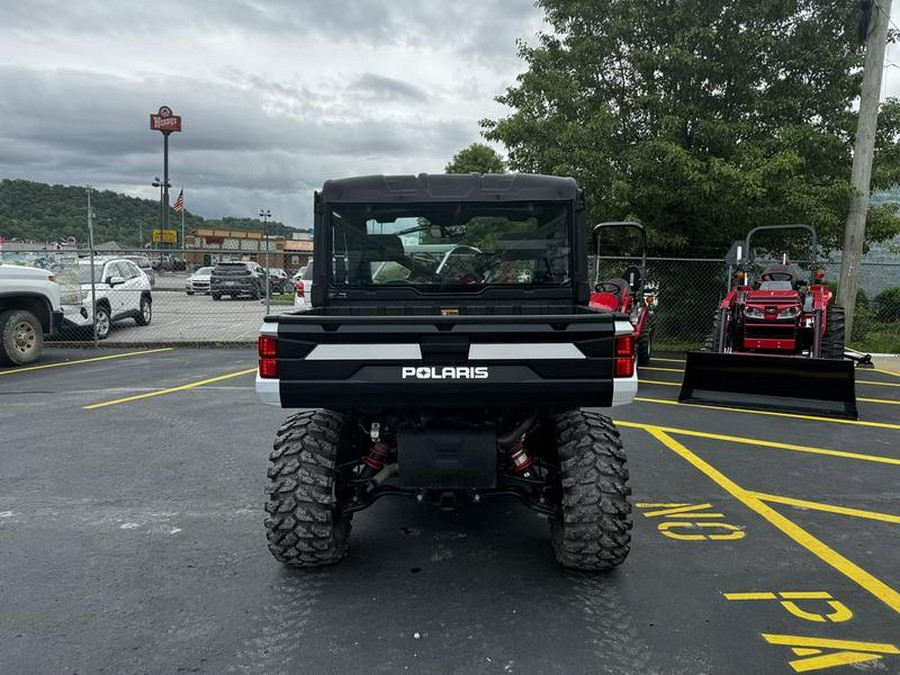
(29,308)
(449,356)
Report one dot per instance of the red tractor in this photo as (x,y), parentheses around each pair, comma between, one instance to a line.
(777,340)
(628,294)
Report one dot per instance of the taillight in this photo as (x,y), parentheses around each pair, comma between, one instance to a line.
(624,356)
(268,350)
(300,289)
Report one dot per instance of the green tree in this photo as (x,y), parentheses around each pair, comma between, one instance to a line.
(476,158)
(701,119)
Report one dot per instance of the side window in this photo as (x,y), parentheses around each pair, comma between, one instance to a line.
(123,270)
(133,270)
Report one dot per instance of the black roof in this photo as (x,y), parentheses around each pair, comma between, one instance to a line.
(449,187)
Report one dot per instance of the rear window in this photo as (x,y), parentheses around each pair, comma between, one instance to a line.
(308,272)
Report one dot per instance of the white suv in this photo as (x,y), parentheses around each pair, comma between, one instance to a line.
(123,291)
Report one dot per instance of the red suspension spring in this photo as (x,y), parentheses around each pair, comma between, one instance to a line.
(377,456)
(519,456)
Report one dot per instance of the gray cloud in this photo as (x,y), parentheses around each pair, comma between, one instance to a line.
(276,95)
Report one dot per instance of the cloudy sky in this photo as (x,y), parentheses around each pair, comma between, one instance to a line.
(275,95)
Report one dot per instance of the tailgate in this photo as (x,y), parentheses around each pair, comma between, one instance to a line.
(378,362)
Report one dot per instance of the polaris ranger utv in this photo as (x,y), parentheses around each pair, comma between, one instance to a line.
(449,356)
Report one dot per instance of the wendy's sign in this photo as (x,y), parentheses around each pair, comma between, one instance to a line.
(165,121)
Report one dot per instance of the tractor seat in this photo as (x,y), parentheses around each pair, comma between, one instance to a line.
(781,274)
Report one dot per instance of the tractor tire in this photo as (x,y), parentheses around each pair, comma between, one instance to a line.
(305,526)
(833,339)
(709,344)
(644,349)
(21,337)
(591,530)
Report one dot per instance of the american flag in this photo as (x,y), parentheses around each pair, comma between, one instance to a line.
(178,207)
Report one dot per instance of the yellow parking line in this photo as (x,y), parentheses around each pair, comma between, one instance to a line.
(876,383)
(796,416)
(665,384)
(654,359)
(830,508)
(885,372)
(883,401)
(852,571)
(662,370)
(764,444)
(91,360)
(172,390)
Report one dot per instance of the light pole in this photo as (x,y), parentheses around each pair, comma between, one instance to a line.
(265,214)
(163,186)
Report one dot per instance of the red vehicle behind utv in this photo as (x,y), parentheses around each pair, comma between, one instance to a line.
(626,294)
(777,341)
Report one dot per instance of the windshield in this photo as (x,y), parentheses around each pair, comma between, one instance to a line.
(84,273)
(203,272)
(451,245)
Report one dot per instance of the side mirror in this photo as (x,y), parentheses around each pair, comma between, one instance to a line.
(115,281)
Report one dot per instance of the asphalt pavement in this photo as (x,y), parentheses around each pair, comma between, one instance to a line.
(132,541)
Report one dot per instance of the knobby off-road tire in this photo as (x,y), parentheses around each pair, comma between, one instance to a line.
(305,527)
(833,339)
(592,530)
(21,337)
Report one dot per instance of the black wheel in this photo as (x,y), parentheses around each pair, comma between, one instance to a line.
(145,312)
(709,344)
(104,322)
(305,526)
(592,529)
(833,338)
(644,349)
(189,292)
(216,296)
(21,337)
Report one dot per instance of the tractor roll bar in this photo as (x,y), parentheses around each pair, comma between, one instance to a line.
(595,239)
(796,226)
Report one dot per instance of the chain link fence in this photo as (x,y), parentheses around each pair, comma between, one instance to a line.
(689,290)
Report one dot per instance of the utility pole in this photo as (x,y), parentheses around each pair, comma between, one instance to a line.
(863,151)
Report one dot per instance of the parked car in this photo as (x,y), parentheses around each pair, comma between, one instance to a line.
(298,275)
(235,279)
(198,282)
(146,266)
(29,309)
(303,287)
(122,292)
(278,280)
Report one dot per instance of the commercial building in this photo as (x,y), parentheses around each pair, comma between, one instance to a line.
(208,246)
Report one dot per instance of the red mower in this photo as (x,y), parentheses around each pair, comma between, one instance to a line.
(627,294)
(777,341)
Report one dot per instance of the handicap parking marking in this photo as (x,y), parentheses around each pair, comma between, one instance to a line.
(58,364)
(170,390)
(743,440)
(755,503)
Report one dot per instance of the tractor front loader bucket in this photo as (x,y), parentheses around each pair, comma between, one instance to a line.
(795,384)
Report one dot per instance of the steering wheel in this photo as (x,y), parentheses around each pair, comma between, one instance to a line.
(607,287)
